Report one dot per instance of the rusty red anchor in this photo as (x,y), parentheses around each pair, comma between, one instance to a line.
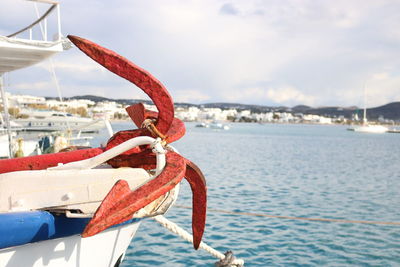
(120,203)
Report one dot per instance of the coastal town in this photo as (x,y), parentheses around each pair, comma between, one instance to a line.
(21,106)
(199,133)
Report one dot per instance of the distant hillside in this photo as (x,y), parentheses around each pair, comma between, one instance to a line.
(330,111)
(253,108)
(120,101)
(389,111)
(300,108)
(91,97)
(102,99)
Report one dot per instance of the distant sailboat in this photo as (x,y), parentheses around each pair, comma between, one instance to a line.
(370,128)
(366,127)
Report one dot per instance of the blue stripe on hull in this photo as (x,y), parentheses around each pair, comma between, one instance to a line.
(18,228)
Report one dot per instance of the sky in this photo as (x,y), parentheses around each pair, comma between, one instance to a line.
(265,52)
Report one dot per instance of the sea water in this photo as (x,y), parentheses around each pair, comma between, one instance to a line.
(310,171)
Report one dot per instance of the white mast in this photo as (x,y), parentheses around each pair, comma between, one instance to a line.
(6,115)
(17,53)
(365,104)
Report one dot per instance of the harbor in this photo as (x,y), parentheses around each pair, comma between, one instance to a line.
(226,134)
(86,199)
(306,171)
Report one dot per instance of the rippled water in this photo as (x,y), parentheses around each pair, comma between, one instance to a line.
(292,170)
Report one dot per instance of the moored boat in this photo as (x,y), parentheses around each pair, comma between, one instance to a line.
(369,128)
(83,207)
(50,121)
(219,126)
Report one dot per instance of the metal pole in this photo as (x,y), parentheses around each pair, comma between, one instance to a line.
(365,104)
(6,115)
(59,22)
(45,30)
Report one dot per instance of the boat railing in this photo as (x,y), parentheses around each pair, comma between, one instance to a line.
(42,22)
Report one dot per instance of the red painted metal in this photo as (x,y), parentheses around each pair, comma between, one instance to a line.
(45,161)
(138,115)
(199,200)
(133,73)
(119,205)
(144,159)
(122,136)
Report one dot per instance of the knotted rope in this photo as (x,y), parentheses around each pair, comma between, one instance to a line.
(149,125)
(226,260)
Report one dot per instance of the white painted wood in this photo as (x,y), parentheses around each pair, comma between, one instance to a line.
(28,190)
(101,250)
(20,53)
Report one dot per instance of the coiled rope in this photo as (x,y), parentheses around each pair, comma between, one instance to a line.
(226,259)
(292,218)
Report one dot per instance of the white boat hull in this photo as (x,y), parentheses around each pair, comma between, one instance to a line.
(370,129)
(30,148)
(21,53)
(61,124)
(104,249)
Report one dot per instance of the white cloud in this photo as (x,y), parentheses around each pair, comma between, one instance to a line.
(190,96)
(380,76)
(289,95)
(37,86)
(284,95)
(246,95)
(73,66)
(382,88)
(235,50)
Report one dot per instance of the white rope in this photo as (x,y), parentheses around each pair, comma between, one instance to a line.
(115,151)
(174,228)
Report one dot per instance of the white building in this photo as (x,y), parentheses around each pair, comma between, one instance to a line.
(189,114)
(286,117)
(212,114)
(317,119)
(150,107)
(107,109)
(243,113)
(264,117)
(24,100)
(74,103)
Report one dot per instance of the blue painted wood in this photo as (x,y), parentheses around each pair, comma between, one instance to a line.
(18,228)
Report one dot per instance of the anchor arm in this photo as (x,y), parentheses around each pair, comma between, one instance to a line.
(121,203)
(133,73)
